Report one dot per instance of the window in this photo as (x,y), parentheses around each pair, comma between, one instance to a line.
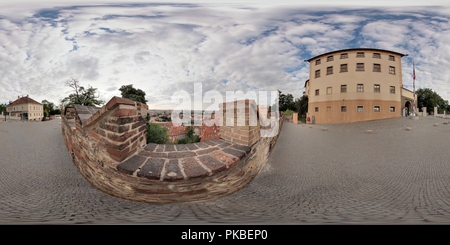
(359,54)
(391,70)
(344,56)
(316,109)
(328,108)
(392,109)
(376,68)
(360,108)
(376,108)
(360,66)
(377,55)
(343,88)
(329,70)
(329,90)
(392,89)
(317,92)
(391,57)
(344,68)
(344,108)
(376,88)
(360,88)
(330,58)
(318,62)
(317,73)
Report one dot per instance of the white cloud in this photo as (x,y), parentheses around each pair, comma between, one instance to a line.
(165,48)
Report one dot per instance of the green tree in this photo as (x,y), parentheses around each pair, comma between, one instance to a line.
(285,101)
(301,106)
(191,137)
(157,134)
(128,92)
(428,98)
(49,107)
(81,95)
(2,109)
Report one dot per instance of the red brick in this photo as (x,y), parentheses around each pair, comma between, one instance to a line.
(124,112)
(228,160)
(212,163)
(118,100)
(94,135)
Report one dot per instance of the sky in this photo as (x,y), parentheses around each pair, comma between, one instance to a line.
(168,48)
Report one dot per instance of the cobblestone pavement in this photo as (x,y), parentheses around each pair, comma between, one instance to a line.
(318,174)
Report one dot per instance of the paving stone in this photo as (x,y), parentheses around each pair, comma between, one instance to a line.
(236,153)
(207,150)
(172,171)
(132,164)
(191,146)
(192,168)
(181,154)
(152,169)
(150,147)
(212,163)
(227,159)
(169,147)
(243,148)
(181,147)
(201,145)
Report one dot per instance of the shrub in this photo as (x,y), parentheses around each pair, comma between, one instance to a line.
(191,137)
(288,112)
(156,134)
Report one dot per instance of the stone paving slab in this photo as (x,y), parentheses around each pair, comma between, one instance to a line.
(214,156)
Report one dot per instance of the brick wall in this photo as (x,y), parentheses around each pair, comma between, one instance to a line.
(104,136)
(240,122)
(101,140)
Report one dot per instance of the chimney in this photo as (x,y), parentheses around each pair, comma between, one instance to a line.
(18,97)
(27,95)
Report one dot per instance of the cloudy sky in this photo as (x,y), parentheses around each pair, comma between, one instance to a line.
(164,47)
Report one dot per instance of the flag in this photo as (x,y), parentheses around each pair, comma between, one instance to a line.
(414,72)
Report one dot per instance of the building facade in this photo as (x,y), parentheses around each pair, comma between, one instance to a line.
(353,85)
(26,109)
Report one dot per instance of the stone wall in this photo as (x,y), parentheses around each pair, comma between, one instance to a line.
(108,146)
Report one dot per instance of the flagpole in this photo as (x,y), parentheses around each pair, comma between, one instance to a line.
(414,90)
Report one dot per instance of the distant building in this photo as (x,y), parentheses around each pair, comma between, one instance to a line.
(26,108)
(352,85)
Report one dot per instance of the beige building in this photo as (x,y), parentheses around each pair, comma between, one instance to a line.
(352,85)
(26,108)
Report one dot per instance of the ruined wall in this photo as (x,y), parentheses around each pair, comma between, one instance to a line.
(108,147)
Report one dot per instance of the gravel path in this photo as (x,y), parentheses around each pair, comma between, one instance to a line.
(339,175)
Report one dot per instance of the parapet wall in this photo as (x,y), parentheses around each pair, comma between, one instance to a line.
(108,146)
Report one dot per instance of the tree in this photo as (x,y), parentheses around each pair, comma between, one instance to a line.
(285,101)
(301,106)
(128,92)
(48,107)
(81,95)
(156,134)
(2,109)
(426,97)
(191,137)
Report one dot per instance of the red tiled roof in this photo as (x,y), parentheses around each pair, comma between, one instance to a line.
(24,100)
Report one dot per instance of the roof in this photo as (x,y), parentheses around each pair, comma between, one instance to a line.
(355,49)
(24,100)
